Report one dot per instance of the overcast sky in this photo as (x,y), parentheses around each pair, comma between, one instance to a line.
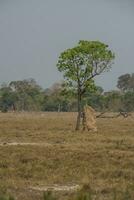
(33,33)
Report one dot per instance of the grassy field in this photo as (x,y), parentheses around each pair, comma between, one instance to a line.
(50,152)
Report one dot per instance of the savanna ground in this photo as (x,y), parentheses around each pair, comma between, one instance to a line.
(50,153)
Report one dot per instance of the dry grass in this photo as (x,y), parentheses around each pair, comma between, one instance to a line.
(104,159)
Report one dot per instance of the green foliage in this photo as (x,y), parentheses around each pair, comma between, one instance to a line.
(83,62)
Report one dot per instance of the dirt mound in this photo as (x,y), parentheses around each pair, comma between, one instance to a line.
(89,118)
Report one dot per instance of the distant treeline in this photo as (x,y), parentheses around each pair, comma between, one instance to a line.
(27,95)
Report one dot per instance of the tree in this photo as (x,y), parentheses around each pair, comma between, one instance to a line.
(29,94)
(131,83)
(126,82)
(128,101)
(54,99)
(113,101)
(123,82)
(7,99)
(96,99)
(81,64)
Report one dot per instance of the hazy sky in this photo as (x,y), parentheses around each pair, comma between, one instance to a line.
(34,32)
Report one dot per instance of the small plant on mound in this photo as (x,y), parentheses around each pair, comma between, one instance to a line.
(85,193)
(126,195)
(122,195)
(3,193)
(48,196)
(5,197)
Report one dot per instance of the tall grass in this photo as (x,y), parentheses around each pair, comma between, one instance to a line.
(63,157)
(86,193)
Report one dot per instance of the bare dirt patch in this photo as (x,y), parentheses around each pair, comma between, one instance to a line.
(57,188)
(24,144)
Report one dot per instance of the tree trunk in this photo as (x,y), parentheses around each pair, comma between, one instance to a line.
(79,113)
(78,121)
(13,107)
